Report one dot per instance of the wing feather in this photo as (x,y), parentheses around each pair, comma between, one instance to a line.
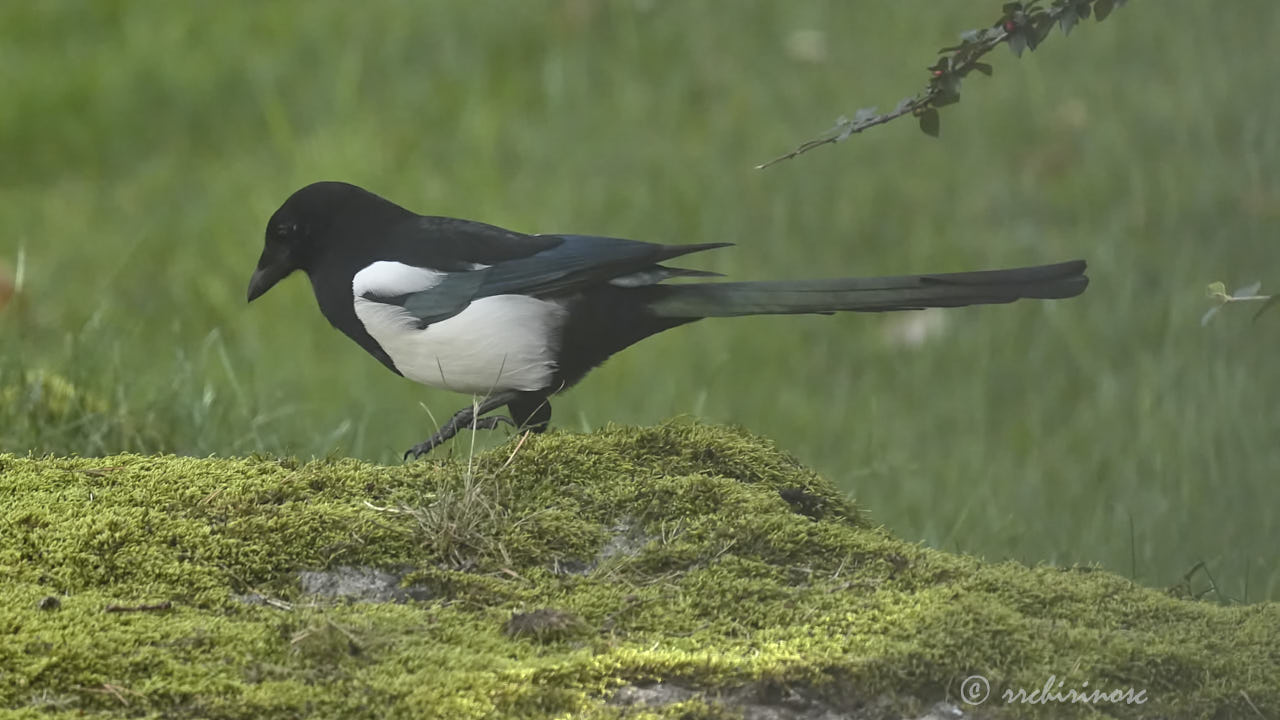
(456,262)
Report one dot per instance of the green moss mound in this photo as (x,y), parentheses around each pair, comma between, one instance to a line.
(680,571)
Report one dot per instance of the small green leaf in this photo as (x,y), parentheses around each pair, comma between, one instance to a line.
(1103,8)
(1204,320)
(1017,43)
(1041,26)
(983,68)
(1275,300)
(1216,290)
(842,130)
(1068,20)
(930,122)
(948,90)
(1248,290)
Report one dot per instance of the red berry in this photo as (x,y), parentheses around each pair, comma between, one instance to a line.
(1010,26)
(937,73)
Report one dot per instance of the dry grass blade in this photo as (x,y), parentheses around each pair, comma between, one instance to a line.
(519,445)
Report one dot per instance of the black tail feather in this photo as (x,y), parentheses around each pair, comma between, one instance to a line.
(905,292)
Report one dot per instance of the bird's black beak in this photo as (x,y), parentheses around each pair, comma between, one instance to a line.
(273,267)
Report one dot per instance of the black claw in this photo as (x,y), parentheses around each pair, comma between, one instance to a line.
(491,423)
(431,443)
(420,449)
(463,419)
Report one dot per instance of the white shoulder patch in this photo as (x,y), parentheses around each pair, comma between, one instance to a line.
(388,278)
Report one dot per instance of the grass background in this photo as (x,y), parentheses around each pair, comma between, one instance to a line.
(145,145)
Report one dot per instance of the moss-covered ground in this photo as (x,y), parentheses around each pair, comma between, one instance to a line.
(538,583)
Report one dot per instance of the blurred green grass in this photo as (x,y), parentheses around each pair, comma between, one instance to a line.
(145,144)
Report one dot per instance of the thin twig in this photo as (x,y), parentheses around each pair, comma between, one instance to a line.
(520,444)
(845,127)
(109,689)
(101,471)
(157,607)
(210,497)
(393,511)
(275,603)
(1023,25)
(1245,695)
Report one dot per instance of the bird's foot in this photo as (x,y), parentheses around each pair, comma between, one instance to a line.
(462,420)
(492,422)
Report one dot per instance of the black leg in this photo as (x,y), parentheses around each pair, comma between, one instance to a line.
(467,417)
(531,411)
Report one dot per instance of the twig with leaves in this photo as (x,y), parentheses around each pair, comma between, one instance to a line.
(1218,295)
(1023,25)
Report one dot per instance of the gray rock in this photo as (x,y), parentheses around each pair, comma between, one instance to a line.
(360,584)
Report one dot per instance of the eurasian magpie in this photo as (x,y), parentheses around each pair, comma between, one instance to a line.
(474,308)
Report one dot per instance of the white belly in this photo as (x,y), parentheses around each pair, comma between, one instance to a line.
(498,343)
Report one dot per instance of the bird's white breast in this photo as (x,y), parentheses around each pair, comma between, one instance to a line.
(497,343)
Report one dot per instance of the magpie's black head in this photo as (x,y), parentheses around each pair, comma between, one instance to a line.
(311,223)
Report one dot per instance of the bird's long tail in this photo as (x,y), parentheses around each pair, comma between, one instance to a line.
(908,292)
